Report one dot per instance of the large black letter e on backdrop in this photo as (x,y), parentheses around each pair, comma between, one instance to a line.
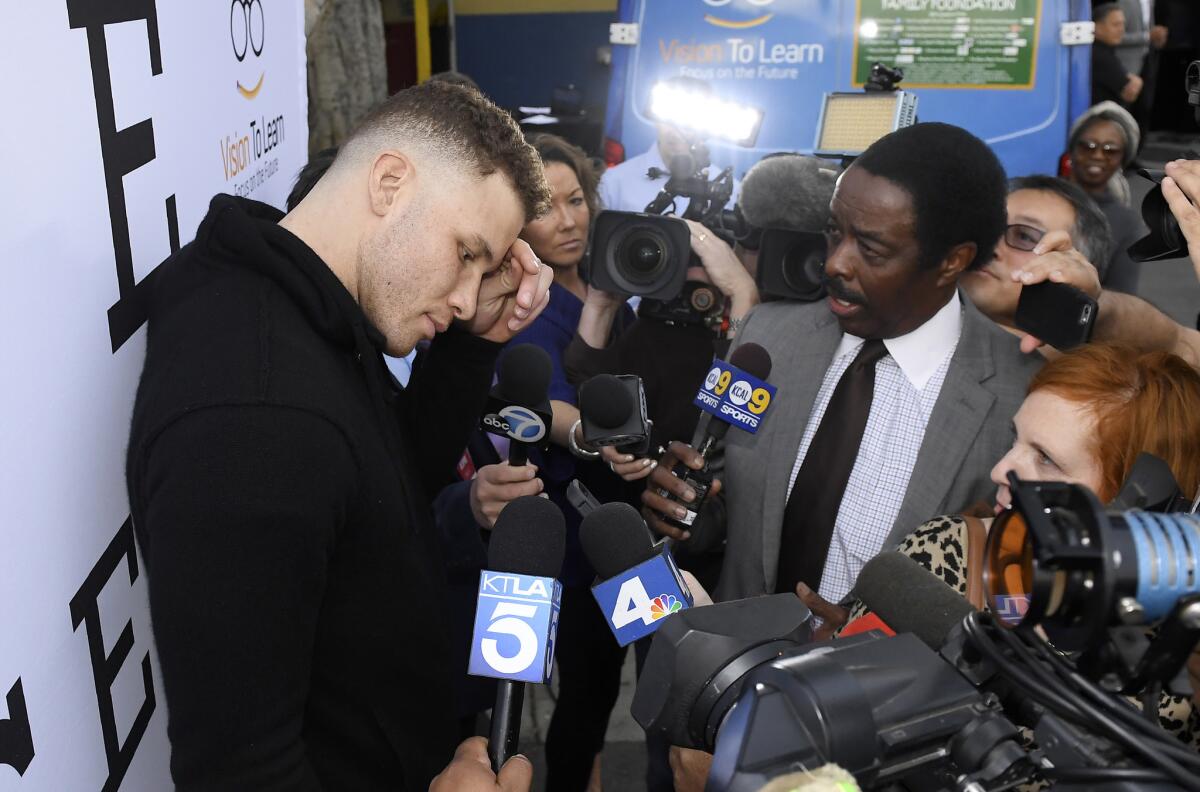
(85,609)
(123,150)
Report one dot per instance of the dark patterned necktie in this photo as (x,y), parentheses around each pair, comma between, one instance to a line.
(816,496)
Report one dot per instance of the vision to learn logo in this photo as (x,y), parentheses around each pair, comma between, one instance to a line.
(523,424)
(738,24)
(247,32)
(664,605)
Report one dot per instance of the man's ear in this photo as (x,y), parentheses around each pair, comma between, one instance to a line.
(392,175)
(955,263)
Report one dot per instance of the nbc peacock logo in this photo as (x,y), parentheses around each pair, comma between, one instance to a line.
(664,605)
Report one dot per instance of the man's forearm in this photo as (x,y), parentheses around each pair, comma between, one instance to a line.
(1131,320)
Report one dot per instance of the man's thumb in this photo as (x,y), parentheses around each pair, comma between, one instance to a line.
(516,775)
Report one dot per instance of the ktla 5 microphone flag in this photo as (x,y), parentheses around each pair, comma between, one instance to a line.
(121,121)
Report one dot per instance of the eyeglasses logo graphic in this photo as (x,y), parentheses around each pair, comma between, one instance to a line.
(735,24)
(247,31)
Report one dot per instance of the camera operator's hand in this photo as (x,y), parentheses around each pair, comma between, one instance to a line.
(495,486)
(511,297)
(627,466)
(833,617)
(656,504)
(1181,188)
(1057,261)
(471,771)
(727,272)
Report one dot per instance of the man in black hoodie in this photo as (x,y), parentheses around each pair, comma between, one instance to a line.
(280,480)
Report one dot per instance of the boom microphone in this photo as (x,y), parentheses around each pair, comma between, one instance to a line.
(518,407)
(639,584)
(516,615)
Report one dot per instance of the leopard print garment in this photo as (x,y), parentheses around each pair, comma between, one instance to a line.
(940,546)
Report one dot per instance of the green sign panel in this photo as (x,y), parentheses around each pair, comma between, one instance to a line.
(949,43)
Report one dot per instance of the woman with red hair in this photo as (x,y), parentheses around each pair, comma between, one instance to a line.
(1088,415)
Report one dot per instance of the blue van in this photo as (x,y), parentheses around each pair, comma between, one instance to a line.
(1014,72)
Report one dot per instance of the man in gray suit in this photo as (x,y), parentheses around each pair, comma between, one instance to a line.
(810,500)
(1134,51)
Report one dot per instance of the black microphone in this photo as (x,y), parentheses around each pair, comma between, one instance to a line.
(613,412)
(907,597)
(640,584)
(516,616)
(518,407)
(754,360)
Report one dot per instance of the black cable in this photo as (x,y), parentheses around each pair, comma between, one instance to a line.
(1118,707)
(1102,774)
(1080,711)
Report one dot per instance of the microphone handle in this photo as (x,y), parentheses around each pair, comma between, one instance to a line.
(506,722)
(518,453)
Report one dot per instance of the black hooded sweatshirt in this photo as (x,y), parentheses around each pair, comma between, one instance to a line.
(280,484)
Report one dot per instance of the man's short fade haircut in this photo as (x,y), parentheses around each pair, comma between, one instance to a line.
(457,126)
(1090,234)
(956,184)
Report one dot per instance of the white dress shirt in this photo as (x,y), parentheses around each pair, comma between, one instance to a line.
(907,384)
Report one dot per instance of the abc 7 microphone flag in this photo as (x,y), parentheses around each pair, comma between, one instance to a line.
(735,396)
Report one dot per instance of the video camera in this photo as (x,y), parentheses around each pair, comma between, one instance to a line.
(935,707)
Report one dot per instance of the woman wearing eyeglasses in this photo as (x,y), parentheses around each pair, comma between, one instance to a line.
(1104,141)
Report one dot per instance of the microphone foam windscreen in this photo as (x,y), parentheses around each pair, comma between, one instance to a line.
(910,598)
(752,359)
(787,191)
(529,538)
(524,378)
(615,538)
(605,402)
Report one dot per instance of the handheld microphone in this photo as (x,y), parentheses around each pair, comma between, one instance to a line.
(734,393)
(613,411)
(518,407)
(639,584)
(516,616)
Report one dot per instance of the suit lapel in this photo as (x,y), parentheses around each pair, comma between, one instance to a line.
(956,420)
(807,349)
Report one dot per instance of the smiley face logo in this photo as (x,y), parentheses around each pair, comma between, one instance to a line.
(247,31)
(737,24)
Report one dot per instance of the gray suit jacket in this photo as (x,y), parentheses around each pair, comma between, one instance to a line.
(969,430)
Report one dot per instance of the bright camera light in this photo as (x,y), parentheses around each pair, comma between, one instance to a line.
(704,113)
(869,29)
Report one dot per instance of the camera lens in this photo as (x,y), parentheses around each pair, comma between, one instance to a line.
(802,267)
(642,256)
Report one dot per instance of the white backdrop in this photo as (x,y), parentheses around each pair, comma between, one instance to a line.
(117,122)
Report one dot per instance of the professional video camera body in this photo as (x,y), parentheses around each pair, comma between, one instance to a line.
(935,707)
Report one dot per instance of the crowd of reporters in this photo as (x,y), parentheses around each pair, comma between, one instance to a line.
(942,234)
